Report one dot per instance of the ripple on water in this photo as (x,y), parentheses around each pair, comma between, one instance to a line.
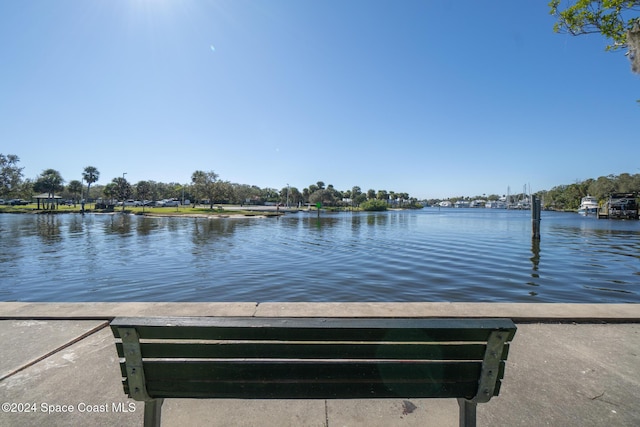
(429,255)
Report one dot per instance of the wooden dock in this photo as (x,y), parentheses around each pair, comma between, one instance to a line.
(619,206)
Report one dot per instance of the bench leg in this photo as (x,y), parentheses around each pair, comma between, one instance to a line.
(467,413)
(152,410)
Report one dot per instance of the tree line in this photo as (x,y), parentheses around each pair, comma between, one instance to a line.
(205,187)
(567,197)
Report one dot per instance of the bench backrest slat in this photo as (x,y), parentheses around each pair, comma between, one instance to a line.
(305,350)
(326,390)
(301,329)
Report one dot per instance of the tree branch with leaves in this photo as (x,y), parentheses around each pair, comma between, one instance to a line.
(617,20)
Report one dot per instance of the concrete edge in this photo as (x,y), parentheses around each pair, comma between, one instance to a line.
(518,312)
(100,326)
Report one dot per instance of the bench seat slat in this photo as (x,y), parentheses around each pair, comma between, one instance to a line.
(313,351)
(318,390)
(300,329)
(288,391)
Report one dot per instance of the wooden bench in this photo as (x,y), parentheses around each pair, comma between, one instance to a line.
(312,358)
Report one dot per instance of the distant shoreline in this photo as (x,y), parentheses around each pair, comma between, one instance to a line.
(149,213)
(221,211)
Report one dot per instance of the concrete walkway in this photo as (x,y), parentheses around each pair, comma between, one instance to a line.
(59,367)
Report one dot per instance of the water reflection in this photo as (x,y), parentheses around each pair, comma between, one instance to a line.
(598,228)
(535,257)
(76,225)
(48,228)
(377,219)
(119,224)
(535,265)
(145,226)
(326,221)
(207,231)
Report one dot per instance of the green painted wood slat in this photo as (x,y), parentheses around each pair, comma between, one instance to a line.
(300,329)
(311,370)
(305,350)
(318,390)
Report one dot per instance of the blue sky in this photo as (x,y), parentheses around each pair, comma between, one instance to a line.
(433,98)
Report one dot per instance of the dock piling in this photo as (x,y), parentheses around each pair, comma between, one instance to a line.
(535,217)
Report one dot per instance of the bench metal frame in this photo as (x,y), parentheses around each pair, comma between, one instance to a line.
(312,358)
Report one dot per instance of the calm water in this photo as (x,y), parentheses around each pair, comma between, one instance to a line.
(429,255)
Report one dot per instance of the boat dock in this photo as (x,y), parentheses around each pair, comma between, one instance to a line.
(619,206)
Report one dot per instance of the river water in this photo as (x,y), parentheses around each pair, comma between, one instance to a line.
(457,255)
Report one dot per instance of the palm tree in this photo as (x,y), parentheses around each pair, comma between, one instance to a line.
(90,175)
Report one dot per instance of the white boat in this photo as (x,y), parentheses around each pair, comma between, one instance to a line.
(588,206)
